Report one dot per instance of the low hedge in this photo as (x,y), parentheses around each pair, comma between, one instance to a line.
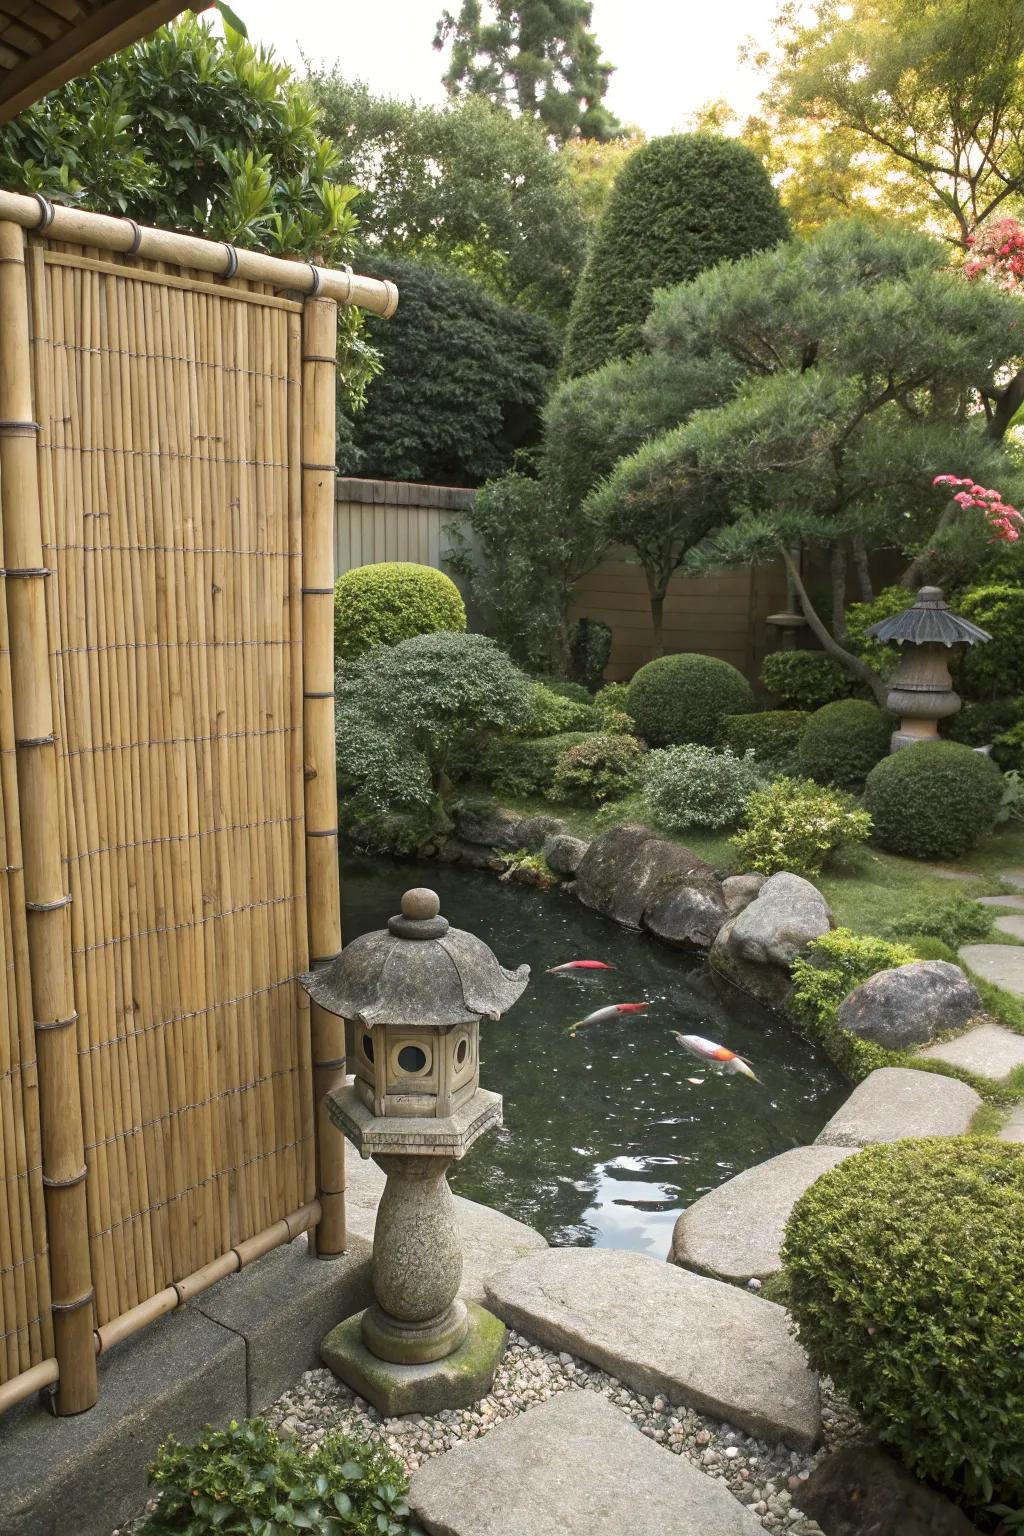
(935,799)
(842,742)
(772,736)
(903,1273)
(554,712)
(395,600)
(683,698)
(804,679)
(523,765)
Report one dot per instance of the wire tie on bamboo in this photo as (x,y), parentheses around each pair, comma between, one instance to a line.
(320,357)
(323,832)
(136,230)
(46,212)
(45,1024)
(35,741)
(316,592)
(328,695)
(76,1305)
(316,282)
(323,468)
(26,573)
(68,1183)
(49,906)
(20,428)
(232,266)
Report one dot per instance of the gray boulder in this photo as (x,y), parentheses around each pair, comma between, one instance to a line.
(756,948)
(860,1491)
(487,825)
(687,915)
(740,890)
(911,1004)
(564,854)
(628,869)
(535,831)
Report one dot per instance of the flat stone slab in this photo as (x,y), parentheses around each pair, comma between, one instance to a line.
(665,1330)
(1001,964)
(461,1378)
(987,1049)
(895,1102)
(1013,1130)
(575,1466)
(1015,902)
(490,1240)
(735,1232)
(1013,877)
(1011,924)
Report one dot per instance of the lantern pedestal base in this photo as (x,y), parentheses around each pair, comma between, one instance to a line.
(457,1381)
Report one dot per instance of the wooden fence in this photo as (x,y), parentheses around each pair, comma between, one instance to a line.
(167,784)
(721,615)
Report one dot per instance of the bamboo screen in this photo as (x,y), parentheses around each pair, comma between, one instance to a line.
(170,488)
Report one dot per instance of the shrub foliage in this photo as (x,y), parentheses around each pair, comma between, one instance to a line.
(824,976)
(998,666)
(772,735)
(796,825)
(524,766)
(903,1266)
(842,742)
(553,713)
(599,768)
(682,698)
(804,679)
(695,786)
(382,604)
(933,800)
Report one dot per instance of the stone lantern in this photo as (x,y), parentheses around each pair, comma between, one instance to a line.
(415,993)
(921,689)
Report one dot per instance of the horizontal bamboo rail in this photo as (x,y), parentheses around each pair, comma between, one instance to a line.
(103,232)
(47,1372)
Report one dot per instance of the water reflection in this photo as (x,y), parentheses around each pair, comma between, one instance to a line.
(604,1139)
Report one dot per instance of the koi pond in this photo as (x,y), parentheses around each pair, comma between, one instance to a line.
(605,1138)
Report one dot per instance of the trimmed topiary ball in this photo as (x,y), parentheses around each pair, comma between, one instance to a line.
(804,679)
(904,1267)
(842,742)
(682,698)
(773,735)
(933,800)
(383,604)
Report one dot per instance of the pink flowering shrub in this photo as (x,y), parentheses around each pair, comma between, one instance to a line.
(1005,521)
(998,254)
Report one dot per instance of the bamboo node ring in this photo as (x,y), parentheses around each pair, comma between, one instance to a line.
(20,428)
(318,960)
(329,468)
(76,1178)
(48,906)
(73,1306)
(35,741)
(325,1066)
(317,592)
(232,266)
(328,694)
(326,832)
(47,211)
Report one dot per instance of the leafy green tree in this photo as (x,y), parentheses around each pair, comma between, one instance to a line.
(864,357)
(195,132)
(593,164)
(679,205)
(467,186)
(936,89)
(538,56)
(462,386)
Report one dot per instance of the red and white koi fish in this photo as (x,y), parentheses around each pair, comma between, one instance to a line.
(602,1015)
(715,1055)
(579,965)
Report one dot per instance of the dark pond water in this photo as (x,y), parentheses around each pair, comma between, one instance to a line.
(604,1139)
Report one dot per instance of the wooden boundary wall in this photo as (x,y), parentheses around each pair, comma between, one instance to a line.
(168,817)
(721,615)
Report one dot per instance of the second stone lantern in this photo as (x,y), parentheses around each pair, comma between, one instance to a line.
(415,993)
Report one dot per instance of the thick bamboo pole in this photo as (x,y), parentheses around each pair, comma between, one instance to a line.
(46,898)
(104,233)
(323,896)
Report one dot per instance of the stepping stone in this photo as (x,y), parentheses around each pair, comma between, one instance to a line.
(1012,925)
(987,1049)
(1016,902)
(490,1240)
(1001,964)
(575,1466)
(660,1329)
(1013,877)
(735,1232)
(1013,1130)
(894,1102)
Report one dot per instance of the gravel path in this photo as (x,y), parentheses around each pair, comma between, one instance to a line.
(765,1477)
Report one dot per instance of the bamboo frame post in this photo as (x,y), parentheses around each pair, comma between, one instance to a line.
(319,353)
(46,898)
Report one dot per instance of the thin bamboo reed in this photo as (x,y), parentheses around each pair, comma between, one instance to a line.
(323,895)
(47,901)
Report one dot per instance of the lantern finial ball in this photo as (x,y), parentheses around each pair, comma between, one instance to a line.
(420,903)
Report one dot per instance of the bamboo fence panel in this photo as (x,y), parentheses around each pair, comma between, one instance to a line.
(171,496)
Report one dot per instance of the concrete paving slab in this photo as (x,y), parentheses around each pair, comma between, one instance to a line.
(1011,924)
(1013,1130)
(735,1232)
(1001,964)
(660,1329)
(987,1049)
(490,1240)
(1015,902)
(1013,877)
(895,1102)
(82,1476)
(575,1466)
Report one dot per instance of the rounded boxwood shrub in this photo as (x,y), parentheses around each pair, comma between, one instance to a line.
(904,1267)
(772,736)
(933,800)
(694,786)
(682,698)
(804,679)
(842,742)
(383,604)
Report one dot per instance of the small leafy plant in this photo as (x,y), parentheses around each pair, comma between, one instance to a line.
(695,786)
(599,768)
(244,1481)
(796,825)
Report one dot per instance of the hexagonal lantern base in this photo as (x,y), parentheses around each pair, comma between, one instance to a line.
(375,1135)
(457,1381)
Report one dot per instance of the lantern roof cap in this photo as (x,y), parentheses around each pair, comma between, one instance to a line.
(930,621)
(418,972)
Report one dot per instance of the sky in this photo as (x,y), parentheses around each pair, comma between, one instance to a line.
(671,56)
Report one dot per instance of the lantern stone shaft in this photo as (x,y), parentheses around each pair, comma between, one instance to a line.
(415,993)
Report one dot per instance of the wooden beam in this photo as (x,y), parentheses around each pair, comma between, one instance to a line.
(104,31)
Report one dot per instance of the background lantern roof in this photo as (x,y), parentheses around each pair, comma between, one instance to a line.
(418,973)
(930,621)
